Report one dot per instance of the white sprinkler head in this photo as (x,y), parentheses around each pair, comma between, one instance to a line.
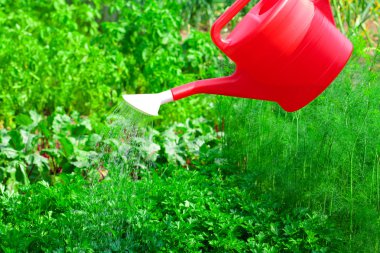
(149,103)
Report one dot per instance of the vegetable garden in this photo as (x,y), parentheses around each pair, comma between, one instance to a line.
(80,171)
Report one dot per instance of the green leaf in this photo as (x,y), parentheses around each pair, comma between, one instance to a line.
(29,139)
(84,127)
(67,146)
(52,152)
(22,168)
(37,160)
(16,140)
(92,140)
(81,164)
(23,120)
(84,158)
(60,121)
(9,153)
(36,118)
(17,168)
(78,130)
(4,138)
(86,123)
(44,129)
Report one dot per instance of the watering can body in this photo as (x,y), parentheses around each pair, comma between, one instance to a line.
(286,51)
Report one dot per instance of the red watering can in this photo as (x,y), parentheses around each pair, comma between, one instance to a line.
(287,51)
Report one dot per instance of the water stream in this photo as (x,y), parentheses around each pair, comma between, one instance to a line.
(118,166)
(118,150)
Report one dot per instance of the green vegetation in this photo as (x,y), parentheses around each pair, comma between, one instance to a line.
(62,55)
(174,211)
(211,174)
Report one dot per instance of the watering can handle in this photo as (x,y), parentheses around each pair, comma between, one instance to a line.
(223,20)
(325,7)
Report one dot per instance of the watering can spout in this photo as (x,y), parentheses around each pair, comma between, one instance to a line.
(217,86)
(150,103)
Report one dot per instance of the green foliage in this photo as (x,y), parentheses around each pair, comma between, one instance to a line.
(177,211)
(42,147)
(48,59)
(56,54)
(198,213)
(201,56)
(184,144)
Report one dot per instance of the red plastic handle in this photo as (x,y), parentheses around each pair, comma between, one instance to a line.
(325,7)
(223,20)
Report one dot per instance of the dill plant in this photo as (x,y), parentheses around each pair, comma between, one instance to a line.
(324,157)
